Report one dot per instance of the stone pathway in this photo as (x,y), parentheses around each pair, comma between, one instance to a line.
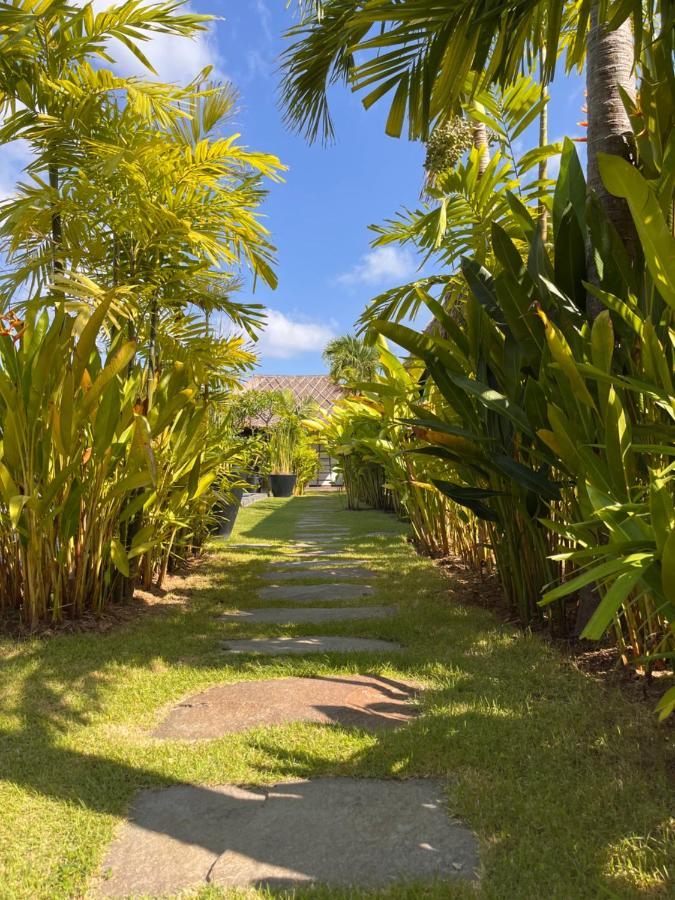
(339,832)
(281,615)
(319,564)
(356,701)
(334,831)
(281,646)
(308,593)
(348,572)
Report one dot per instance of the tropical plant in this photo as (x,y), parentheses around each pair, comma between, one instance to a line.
(555,416)
(423,54)
(305,464)
(123,244)
(538,393)
(72,451)
(286,433)
(350,359)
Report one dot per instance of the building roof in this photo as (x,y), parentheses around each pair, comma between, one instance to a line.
(319,388)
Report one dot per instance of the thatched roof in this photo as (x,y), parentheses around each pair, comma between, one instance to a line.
(319,388)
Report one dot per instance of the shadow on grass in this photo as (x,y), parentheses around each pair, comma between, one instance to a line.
(539,761)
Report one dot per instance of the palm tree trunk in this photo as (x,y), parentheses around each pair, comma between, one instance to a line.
(609,67)
(480,142)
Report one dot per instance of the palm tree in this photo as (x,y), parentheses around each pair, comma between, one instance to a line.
(421,52)
(351,360)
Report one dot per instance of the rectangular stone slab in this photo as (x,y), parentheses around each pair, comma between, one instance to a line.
(370,702)
(269,546)
(314,644)
(319,563)
(281,615)
(321,529)
(346,572)
(307,593)
(340,832)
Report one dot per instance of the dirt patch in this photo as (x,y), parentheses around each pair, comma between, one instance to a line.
(156,601)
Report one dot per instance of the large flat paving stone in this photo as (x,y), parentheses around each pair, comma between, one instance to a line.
(369,702)
(315,537)
(322,529)
(307,593)
(256,546)
(346,572)
(303,548)
(283,646)
(280,615)
(321,562)
(339,832)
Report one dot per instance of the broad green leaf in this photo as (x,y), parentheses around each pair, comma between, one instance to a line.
(561,353)
(470,497)
(596,575)
(16,506)
(623,180)
(119,557)
(611,604)
(668,567)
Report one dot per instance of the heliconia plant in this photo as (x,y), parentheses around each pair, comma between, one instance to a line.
(70,453)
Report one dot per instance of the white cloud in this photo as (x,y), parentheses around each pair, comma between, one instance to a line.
(285,337)
(265,19)
(176,59)
(380,266)
(15,157)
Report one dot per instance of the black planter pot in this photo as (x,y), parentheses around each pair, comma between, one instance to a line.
(282,485)
(253,482)
(227,514)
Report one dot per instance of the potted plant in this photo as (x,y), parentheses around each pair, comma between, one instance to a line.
(281,449)
(286,437)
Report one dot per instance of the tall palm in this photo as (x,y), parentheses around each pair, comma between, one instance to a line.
(350,359)
(421,52)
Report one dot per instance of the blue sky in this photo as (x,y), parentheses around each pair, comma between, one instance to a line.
(319,217)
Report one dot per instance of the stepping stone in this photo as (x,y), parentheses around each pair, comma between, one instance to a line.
(333,529)
(315,644)
(321,563)
(339,832)
(282,615)
(354,701)
(346,572)
(250,546)
(309,550)
(307,593)
(335,546)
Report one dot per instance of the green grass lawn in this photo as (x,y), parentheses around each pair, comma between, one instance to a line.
(564,781)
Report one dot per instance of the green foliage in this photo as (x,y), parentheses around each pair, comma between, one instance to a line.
(287,436)
(558,426)
(71,453)
(127,233)
(423,55)
(350,359)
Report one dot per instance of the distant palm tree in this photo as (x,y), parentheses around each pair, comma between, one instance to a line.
(350,359)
